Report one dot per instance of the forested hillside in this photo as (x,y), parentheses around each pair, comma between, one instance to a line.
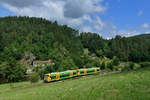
(21,37)
(143,36)
(134,49)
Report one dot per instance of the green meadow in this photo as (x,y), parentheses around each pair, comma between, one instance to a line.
(132,85)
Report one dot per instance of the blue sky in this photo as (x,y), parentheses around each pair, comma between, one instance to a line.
(124,13)
(5,12)
(105,17)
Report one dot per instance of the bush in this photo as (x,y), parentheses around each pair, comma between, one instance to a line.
(34,77)
(107,70)
(144,64)
(96,62)
(12,71)
(130,66)
(136,66)
(117,68)
(126,67)
(116,61)
(110,65)
(103,65)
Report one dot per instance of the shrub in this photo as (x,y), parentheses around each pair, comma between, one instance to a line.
(110,65)
(34,77)
(126,67)
(117,68)
(116,61)
(103,65)
(131,65)
(12,71)
(136,66)
(107,70)
(96,62)
(144,64)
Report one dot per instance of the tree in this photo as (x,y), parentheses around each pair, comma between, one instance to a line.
(99,53)
(3,72)
(12,71)
(34,77)
(110,65)
(115,61)
(103,65)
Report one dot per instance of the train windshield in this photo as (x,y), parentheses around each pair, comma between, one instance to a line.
(46,76)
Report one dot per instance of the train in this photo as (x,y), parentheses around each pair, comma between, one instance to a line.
(56,76)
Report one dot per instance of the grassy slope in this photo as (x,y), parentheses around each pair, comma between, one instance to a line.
(134,85)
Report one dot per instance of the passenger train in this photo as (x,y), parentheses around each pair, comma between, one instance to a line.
(70,74)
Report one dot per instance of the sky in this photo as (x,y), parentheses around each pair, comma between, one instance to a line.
(108,18)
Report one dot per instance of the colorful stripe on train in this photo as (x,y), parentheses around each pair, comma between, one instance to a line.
(69,74)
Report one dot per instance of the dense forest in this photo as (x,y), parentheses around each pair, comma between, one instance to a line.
(21,37)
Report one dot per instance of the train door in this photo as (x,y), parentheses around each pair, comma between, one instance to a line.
(95,70)
(57,76)
(71,74)
(85,71)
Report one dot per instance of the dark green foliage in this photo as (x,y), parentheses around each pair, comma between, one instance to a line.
(134,49)
(131,65)
(20,34)
(130,49)
(99,53)
(44,39)
(96,62)
(34,77)
(145,64)
(41,37)
(12,71)
(126,67)
(103,65)
(142,36)
(116,61)
(48,40)
(93,42)
(110,65)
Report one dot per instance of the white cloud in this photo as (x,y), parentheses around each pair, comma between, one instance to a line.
(144,28)
(145,25)
(147,32)
(87,29)
(74,13)
(22,3)
(127,33)
(79,8)
(83,15)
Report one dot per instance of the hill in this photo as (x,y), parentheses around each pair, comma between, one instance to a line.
(133,85)
(143,36)
(38,36)
(23,36)
(26,39)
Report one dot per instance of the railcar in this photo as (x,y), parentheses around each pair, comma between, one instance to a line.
(70,74)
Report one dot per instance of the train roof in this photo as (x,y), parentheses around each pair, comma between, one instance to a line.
(70,70)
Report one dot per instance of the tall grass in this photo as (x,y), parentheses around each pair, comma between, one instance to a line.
(132,85)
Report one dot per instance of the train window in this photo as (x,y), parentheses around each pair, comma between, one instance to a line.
(64,75)
(91,71)
(74,72)
(53,77)
(46,76)
(81,71)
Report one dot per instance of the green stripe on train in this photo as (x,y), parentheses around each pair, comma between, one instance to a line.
(69,74)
